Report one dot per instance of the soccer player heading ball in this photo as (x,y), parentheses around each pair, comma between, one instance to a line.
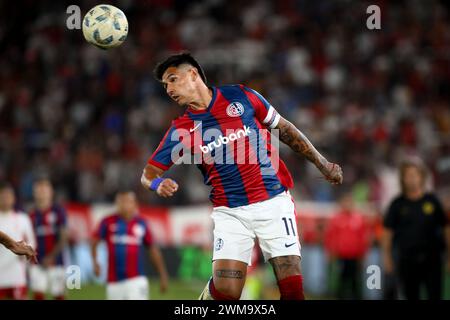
(225,131)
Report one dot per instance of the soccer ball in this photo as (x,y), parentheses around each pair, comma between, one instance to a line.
(105,26)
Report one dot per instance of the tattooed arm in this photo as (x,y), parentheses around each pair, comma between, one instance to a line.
(298,142)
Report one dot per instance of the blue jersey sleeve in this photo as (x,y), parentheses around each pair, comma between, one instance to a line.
(166,154)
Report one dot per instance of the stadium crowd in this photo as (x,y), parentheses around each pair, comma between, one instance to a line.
(90,118)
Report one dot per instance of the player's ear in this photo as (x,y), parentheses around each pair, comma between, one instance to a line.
(194,74)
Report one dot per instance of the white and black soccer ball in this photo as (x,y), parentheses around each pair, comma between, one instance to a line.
(105,26)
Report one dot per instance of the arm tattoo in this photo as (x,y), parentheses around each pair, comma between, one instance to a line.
(224,273)
(298,142)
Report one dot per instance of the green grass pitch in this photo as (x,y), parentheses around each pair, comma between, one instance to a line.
(178,290)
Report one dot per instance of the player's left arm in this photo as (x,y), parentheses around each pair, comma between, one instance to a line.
(291,136)
(299,143)
(158,262)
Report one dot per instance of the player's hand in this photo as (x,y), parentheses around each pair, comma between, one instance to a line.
(163,283)
(97,269)
(167,188)
(333,173)
(23,249)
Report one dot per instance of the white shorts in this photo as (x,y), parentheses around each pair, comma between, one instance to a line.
(136,288)
(52,279)
(272,222)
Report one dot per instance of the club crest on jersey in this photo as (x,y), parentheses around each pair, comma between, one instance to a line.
(138,230)
(51,217)
(428,208)
(235,109)
(219,244)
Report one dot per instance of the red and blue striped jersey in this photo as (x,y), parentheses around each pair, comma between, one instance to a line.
(125,240)
(47,226)
(230,144)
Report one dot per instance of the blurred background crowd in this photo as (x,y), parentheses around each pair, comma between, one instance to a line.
(89,119)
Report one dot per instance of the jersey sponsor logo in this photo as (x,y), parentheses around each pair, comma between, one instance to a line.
(235,109)
(125,239)
(225,140)
(197,148)
(44,230)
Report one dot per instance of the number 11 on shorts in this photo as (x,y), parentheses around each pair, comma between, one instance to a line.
(287,226)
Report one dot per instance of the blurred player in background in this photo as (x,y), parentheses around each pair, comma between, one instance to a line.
(13,281)
(126,235)
(50,226)
(21,248)
(413,239)
(251,197)
(347,242)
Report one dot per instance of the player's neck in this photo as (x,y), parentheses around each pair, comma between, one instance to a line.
(43,205)
(204,99)
(126,216)
(415,194)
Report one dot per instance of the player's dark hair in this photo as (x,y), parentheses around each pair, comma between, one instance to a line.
(176,60)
